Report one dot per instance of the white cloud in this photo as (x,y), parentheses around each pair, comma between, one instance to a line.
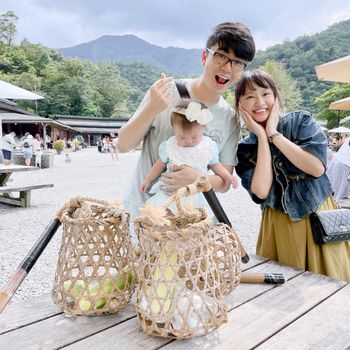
(182,23)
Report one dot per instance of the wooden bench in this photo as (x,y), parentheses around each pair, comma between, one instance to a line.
(24,194)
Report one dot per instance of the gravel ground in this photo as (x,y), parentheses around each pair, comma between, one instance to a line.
(88,174)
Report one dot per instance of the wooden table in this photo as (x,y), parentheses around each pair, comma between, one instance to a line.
(309,311)
(7,170)
(24,196)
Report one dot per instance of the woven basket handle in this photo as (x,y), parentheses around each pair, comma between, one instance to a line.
(75,203)
(202,184)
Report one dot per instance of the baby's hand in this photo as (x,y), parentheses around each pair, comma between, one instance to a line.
(144,186)
(234,181)
(231,180)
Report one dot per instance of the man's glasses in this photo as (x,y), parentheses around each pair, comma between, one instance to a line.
(222,59)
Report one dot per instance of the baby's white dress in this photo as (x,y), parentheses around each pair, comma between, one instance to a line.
(198,157)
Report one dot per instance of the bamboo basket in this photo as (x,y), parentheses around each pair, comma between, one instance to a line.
(179,290)
(94,274)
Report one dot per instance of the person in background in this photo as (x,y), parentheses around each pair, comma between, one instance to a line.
(67,159)
(8,143)
(75,144)
(48,141)
(338,171)
(37,149)
(114,147)
(229,47)
(27,148)
(69,143)
(99,144)
(282,165)
(107,144)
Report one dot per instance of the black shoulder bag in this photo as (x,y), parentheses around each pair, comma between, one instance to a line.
(330,226)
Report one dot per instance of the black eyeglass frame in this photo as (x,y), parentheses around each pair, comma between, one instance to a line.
(240,65)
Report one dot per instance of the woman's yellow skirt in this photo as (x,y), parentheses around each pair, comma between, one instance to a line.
(291,243)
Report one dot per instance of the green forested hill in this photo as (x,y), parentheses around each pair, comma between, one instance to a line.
(130,48)
(299,57)
(302,55)
(103,85)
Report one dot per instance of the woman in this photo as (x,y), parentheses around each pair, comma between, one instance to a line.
(282,165)
(37,142)
(27,148)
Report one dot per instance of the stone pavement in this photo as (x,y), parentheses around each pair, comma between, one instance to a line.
(89,174)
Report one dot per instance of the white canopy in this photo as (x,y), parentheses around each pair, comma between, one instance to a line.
(340,130)
(343,104)
(337,70)
(13,92)
(344,120)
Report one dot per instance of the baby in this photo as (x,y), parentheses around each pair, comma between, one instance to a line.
(188,147)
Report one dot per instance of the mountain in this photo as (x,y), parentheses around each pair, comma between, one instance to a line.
(129,48)
(299,57)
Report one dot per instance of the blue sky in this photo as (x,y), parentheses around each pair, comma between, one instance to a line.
(181,23)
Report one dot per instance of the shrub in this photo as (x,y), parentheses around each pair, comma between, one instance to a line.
(58,145)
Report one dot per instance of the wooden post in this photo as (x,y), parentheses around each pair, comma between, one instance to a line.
(44,136)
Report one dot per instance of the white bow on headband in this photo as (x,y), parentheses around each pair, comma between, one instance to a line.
(194,112)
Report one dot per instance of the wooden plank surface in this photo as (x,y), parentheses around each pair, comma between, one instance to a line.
(325,327)
(29,311)
(256,321)
(245,292)
(262,315)
(57,331)
(53,328)
(129,334)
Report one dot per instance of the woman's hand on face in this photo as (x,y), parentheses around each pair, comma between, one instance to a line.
(272,122)
(250,123)
(161,94)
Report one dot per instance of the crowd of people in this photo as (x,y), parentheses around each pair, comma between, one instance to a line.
(32,147)
(108,144)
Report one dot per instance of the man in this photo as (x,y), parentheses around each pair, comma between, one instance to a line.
(7,144)
(228,49)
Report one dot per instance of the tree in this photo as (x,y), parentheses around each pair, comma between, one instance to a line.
(229,97)
(337,92)
(140,76)
(113,90)
(287,86)
(8,27)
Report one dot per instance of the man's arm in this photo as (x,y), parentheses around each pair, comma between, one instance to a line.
(158,99)
(182,175)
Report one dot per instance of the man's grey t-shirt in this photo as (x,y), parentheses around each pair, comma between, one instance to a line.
(224,129)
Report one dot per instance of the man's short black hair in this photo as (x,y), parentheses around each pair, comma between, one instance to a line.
(233,36)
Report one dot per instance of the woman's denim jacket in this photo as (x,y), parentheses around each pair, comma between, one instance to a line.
(293,192)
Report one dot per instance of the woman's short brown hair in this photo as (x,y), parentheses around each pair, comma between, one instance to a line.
(258,77)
